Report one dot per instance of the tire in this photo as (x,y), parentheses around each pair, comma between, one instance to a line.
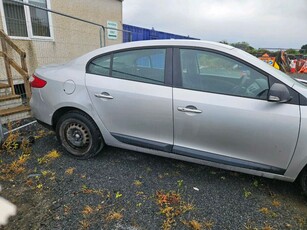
(79,135)
(303,181)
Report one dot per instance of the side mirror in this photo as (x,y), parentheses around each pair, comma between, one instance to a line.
(279,93)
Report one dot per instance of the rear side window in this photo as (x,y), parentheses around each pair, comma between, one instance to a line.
(146,65)
(100,66)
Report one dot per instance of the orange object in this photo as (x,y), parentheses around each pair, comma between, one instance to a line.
(304,68)
(266,58)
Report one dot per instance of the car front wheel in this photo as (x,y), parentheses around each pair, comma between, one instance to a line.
(79,135)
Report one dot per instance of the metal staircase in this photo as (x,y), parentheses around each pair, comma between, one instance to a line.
(13,106)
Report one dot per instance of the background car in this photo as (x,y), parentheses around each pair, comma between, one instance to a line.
(197,101)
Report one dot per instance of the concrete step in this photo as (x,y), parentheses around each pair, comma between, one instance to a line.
(13,114)
(5,89)
(10,101)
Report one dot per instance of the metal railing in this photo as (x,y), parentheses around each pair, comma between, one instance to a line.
(103,28)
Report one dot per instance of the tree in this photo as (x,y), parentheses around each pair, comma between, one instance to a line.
(292,51)
(244,46)
(224,42)
(303,49)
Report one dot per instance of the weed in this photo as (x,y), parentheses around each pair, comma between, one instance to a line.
(66,209)
(15,168)
(179,183)
(11,142)
(85,224)
(301,221)
(114,216)
(53,154)
(42,133)
(137,183)
(87,190)
(87,210)
(194,224)
(171,205)
(247,193)
(39,186)
(256,183)
(276,203)
(267,227)
(208,224)
(118,195)
(138,205)
(70,171)
(265,211)
(249,226)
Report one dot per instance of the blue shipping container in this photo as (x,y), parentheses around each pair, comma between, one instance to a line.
(139,34)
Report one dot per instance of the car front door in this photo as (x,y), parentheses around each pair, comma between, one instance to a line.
(132,94)
(221,113)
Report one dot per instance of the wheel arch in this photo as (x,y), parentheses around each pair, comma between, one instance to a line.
(63,110)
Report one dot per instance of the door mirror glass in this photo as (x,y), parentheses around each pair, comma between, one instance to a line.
(279,93)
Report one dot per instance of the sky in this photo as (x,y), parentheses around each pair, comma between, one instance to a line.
(261,23)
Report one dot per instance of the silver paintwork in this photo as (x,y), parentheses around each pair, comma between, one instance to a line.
(226,125)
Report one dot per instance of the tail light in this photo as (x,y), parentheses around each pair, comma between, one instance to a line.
(36,82)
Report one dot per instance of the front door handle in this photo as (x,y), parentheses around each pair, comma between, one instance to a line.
(189,109)
(103,95)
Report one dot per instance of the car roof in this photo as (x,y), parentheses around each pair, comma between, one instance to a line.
(171,42)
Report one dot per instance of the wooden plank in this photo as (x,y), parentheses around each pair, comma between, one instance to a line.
(7,66)
(11,43)
(9,97)
(26,78)
(4,86)
(18,109)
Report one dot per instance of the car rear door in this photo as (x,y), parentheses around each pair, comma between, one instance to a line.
(132,94)
(221,113)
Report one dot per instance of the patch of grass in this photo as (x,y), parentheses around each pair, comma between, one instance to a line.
(11,142)
(11,170)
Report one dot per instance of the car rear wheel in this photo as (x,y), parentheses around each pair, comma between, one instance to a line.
(79,135)
(303,180)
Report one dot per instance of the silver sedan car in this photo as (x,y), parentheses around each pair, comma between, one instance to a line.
(196,101)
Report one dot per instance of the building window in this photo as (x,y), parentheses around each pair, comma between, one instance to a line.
(25,21)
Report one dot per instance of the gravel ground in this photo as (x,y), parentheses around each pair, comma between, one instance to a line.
(121,189)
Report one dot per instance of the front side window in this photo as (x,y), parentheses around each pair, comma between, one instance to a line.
(145,65)
(212,72)
(25,21)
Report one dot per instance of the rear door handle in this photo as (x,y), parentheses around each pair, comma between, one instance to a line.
(103,95)
(189,109)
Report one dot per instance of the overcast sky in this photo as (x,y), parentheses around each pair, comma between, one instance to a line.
(261,23)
